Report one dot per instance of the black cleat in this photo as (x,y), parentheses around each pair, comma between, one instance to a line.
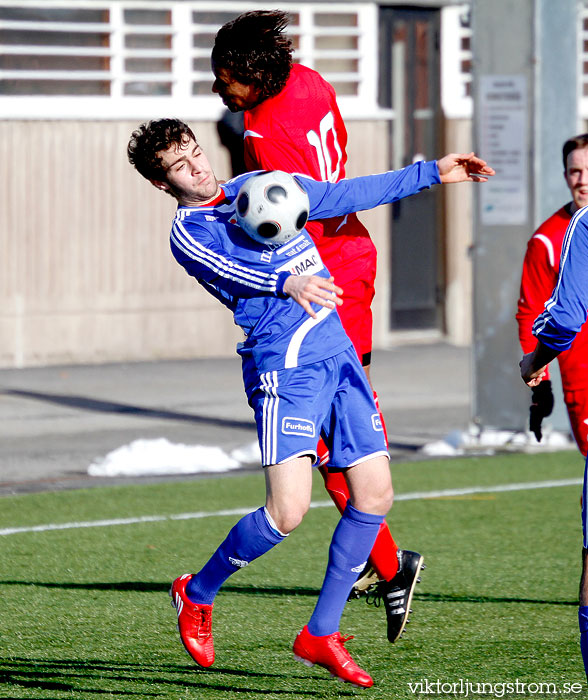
(397,593)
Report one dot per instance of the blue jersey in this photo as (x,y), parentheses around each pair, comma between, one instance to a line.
(566,310)
(248,277)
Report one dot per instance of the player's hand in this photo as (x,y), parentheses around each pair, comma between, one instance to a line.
(307,289)
(464,167)
(541,406)
(532,377)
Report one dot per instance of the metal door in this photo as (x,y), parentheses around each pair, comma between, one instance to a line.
(410,86)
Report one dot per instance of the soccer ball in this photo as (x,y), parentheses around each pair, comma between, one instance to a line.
(272,207)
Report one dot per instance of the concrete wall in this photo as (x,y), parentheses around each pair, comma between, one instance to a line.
(87,275)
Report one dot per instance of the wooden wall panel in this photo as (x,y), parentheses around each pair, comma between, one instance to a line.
(86,270)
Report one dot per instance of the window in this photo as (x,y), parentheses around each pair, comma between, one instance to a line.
(116,60)
(456,62)
(53,51)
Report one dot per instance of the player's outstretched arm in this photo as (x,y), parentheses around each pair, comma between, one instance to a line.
(305,289)
(463,167)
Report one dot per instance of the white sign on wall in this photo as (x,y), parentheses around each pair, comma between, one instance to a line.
(502,129)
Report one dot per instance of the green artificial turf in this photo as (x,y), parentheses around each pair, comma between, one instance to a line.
(84,611)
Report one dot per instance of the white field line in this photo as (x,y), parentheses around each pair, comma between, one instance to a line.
(411,496)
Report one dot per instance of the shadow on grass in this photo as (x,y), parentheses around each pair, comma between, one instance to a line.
(451,598)
(275,591)
(156,587)
(86,403)
(38,673)
(101,677)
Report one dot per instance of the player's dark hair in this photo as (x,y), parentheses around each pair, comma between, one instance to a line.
(255,50)
(570,145)
(150,138)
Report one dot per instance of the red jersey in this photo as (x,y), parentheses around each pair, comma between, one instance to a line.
(539,278)
(300,130)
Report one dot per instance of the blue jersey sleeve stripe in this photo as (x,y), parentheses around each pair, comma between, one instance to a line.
(208,259)
(195,245)
(539,323)
(226,273)
(552,335)
(220,265)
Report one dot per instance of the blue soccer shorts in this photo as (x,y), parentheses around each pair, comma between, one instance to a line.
(331,398)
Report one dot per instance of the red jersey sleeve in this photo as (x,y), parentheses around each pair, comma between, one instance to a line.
(537,282)
(539,275)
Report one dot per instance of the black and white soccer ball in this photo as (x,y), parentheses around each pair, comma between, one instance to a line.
(272,207)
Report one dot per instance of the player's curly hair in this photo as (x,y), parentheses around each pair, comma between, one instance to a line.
(572,144)
(150,138)
(255,50)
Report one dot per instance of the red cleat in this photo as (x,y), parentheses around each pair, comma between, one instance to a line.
(328,651)
(194,623)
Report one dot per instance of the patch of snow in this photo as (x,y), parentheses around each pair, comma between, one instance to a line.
(160,456)
(489,441)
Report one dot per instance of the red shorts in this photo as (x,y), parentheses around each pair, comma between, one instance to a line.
(577,405)
(356,314)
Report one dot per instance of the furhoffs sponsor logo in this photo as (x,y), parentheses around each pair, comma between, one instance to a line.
(377,422)
(297,426)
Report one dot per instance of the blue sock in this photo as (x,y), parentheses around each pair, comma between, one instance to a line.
(251,537)
(351,545)
(583,621)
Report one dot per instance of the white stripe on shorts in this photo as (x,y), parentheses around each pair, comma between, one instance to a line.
(269,441)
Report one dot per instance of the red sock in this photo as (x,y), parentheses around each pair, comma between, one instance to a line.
(336,487)
(383,556)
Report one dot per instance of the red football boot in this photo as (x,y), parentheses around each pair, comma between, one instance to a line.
(328,651)
(194,623)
